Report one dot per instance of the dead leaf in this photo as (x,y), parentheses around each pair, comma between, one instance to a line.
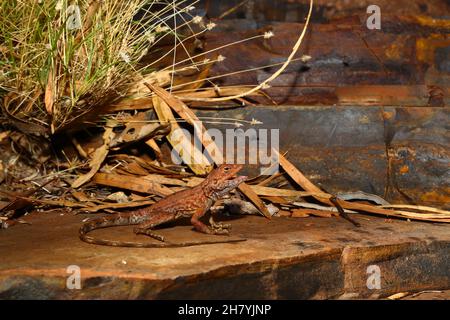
(80,196)
(131,183)
(299,213)
(119,197)
(165,180)
(152,144)
(97,159)
(253,197)
(190,155)
(187,114)
(136,129)
(49,92)
(4,135)
(132,104)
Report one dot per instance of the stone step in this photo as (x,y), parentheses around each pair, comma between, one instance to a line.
(285,258)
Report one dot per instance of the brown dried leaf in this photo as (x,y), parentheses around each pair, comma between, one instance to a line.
(164,180)
(131,183)
(305,212)
(187,114)
(154,146)
(194,81)
(273,199)
(212,93)
(49,93)
(182,145)
(134,168)
(80,196)
(253,197)
(299,213)
(97,160)
(136,129)
(132,104)
(269,191)
(284,213)
(4,135)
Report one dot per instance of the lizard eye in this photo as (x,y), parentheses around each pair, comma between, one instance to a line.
(226,169)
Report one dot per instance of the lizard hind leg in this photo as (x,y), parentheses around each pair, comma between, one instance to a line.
(147,226)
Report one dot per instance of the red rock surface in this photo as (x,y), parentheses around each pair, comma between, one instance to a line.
(286,258)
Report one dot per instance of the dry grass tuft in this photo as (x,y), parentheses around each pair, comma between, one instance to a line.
(62,59)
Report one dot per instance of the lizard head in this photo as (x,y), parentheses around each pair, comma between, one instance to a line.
(223,179)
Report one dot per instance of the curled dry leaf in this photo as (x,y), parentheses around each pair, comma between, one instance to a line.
(360,195)
(97,160)
(119,197)
(137,129)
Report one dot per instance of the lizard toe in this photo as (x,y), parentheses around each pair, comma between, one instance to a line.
(221,232)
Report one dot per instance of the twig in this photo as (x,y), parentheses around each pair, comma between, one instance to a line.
(342,213)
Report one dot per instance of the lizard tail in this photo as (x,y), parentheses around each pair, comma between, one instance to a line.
(125,220)
(105,222)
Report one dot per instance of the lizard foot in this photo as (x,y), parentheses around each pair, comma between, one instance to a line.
(220,231)
(149,233)
(218,225)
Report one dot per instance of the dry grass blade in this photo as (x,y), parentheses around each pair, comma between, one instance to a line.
(211,93)
(275,74)
(425,209)
(269,191)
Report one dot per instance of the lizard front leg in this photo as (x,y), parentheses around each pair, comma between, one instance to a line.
(201,227)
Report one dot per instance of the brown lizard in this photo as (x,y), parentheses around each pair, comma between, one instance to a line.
(193,203)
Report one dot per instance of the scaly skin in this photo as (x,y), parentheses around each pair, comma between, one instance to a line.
(193,203)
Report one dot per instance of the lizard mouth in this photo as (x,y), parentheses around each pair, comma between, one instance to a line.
(238,179)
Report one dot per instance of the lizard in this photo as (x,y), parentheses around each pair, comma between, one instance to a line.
(193,203)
